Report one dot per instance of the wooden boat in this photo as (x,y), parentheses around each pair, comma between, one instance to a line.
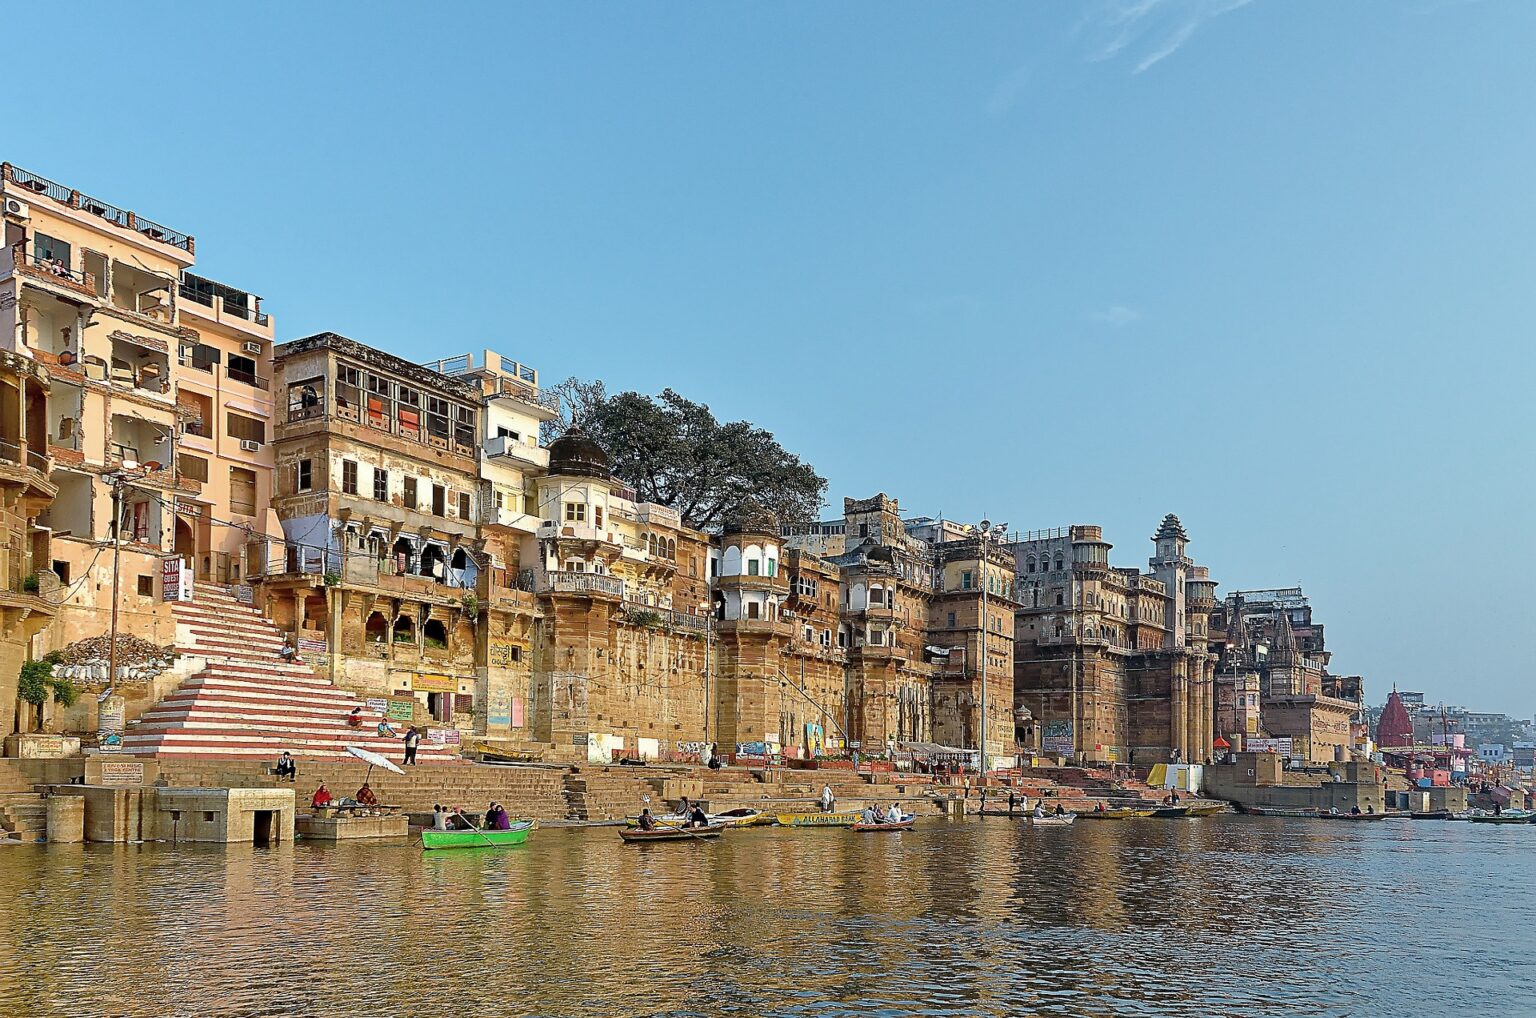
(1295,812)
(1504,818)
(1171,812)
(1430,814)
(1352,816)
(1206,809)
(671,833)
(1124,813)
(742,816)
(477,838)
(1053,821)
(888,825)
(847,818)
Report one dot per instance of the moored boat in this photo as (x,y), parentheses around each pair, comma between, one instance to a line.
(1352,816)
(1503,818)
(1294,812)
(477,838)
(742,816)
(1206,809)
(671,833)
(843,819)
(1430,814)
(1170,812)
(1123,813)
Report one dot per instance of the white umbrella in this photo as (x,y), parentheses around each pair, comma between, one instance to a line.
(373,760)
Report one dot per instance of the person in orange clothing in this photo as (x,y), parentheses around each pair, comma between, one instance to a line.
(322,796)
(365,796)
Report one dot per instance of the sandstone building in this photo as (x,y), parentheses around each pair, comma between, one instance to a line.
(1113,664)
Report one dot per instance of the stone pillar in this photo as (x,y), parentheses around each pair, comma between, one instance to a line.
(1178,709)
(66,819)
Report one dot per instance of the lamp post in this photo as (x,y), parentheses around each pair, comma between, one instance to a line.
(709,632)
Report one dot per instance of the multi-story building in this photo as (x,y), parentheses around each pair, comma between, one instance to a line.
(1268,640)
(623,594)
(29,593)
(378,480)
(159,377)
(1112,664)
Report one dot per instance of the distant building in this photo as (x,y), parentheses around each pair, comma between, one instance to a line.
(1395,729)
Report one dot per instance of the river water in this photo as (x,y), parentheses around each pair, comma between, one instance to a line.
(1220,916)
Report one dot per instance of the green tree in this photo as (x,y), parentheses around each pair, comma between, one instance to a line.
(37,683)
(675,452)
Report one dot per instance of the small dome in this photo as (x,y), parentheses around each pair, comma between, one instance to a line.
(751,517)
(574,454)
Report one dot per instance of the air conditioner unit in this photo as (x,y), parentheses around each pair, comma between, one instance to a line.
(18,208)
(246,445)
(251,347)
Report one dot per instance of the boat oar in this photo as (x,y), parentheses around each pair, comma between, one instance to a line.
(685,830)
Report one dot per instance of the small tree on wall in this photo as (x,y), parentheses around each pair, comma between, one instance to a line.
(37,684)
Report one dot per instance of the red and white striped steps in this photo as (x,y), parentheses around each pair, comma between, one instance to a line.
(248,702)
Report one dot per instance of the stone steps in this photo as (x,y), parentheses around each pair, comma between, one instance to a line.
(24,818)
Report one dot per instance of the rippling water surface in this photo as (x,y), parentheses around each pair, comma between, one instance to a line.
(1222,916)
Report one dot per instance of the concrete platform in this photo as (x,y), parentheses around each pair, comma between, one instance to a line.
(348,828)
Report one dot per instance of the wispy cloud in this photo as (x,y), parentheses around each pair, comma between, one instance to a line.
(1150,31)
(1116,315)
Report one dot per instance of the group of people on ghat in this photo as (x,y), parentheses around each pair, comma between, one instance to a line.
(323,797)
(874,815)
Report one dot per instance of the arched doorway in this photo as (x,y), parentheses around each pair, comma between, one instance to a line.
(186,545)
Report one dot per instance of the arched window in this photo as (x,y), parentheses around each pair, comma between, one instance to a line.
(405,630)
(434,635)
(672,549)
(375,629)
(730,562)
(1029,565)
(1058,562)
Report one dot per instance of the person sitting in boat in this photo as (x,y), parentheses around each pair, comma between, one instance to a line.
(439,818)
(490,816)
(684,807)
(501,822)
(1040,811)
(870,816)
(1098,807)
(646,821)
(1059,811)
(894,814)
(457,821)
(697,817)
(322,796)
(365,796)
(1354,811)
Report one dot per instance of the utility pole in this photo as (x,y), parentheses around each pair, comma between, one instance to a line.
(709,632)
(982,655)
(117,545)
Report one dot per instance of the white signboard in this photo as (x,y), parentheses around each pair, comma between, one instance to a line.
(175,580)
(1281,746)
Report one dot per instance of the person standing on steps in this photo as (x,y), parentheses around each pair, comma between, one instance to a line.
(412,740)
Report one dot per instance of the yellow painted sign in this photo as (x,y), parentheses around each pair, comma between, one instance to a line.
(434,683)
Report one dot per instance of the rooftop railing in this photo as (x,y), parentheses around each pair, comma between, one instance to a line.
(119,217)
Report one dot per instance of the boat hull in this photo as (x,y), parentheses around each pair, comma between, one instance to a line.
(434,839)
(847,819)
(639,837)
(1116,814)
(900,825)
(1062,821)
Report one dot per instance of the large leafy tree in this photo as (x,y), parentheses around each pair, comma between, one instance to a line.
(673,451)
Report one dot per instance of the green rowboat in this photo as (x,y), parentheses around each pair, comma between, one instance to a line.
(515,835)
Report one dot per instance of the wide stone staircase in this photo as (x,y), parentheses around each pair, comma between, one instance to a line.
(248,702)
(23,812)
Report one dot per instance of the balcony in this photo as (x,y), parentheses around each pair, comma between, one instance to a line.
(505,446)
(246,377)
(49,271)
(564,582)
(666,617)
(513,520)
(551,530)
(223,301)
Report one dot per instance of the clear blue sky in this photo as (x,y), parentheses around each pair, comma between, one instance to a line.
(1266,265)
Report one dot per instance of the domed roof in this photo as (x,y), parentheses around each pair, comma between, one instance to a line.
(575,454)
(751,517)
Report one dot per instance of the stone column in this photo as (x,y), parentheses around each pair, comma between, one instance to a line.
(1178,709)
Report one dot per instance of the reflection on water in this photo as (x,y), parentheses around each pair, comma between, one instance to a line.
(1224,916)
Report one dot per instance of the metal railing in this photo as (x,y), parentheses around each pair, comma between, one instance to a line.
(119,217)
(567,582)
(246,377)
